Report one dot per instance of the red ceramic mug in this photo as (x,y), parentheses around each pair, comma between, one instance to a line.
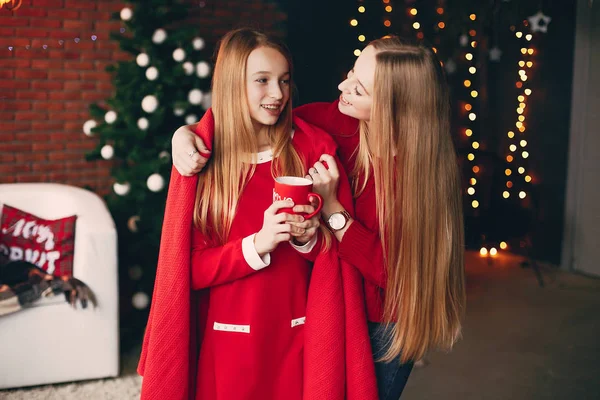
(299,190)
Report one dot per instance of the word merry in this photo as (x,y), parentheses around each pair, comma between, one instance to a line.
(30,230)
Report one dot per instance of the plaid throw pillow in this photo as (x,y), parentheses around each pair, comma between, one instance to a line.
(47,244)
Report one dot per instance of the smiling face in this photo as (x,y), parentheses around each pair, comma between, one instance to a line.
(267,85)
(357,90)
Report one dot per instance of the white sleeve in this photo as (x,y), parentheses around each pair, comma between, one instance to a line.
(254,260)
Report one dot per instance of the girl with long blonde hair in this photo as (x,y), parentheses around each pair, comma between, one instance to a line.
(392,126)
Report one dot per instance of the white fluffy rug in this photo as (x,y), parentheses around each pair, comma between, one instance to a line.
(125,387)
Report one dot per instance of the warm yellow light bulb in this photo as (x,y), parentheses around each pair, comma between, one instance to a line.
(413,11)
(522,128)
(493,252)
(507,172)
(522,195)
(519,124)
(519,110)
(416,25)
(506,194)
(529,64)
(361,9)
(473,181)
(522,72)
(441,25)
(467,83)
(511,134)
(361,38)
(519,34)
(530,51)
(472,116)
(528,36)
(523,50)
(521,170)
(469,56)
(521,64)
(527,178)
(503,245)
(474,44)
(523,78)
(473,17)
(521,118)
(475,145)
(512,147)
(434,49)
(521,98)
(475,204)
(474,93)
(525,154)
(471,191)
(357,52)
(468,132)
(472,70)
(523,143)
(388,8)
(353,22)
(528,92)
(471,156)
(522,105)
(483,251)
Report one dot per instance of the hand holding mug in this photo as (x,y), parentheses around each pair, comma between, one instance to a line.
(276,227)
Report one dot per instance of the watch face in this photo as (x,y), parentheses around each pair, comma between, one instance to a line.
(337,221)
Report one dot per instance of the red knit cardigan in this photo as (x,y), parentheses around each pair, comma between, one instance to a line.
(338,359)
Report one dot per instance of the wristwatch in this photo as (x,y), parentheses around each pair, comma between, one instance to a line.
(338,220)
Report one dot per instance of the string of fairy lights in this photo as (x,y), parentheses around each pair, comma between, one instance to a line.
(517,143)
(413,14)
(470,42)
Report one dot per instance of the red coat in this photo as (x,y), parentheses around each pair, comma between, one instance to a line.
(338,362)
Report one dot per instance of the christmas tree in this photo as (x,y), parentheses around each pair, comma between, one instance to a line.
(165,85)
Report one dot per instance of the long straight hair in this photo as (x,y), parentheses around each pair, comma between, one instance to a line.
(235,143)
(418,198)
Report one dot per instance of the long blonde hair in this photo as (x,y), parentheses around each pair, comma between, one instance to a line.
(418,199)
(235,142)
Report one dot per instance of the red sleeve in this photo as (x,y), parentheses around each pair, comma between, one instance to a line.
(205,128)
(362,248)
(212,266)
(328,117)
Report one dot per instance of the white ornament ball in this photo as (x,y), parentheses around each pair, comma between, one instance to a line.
(142,59)
(202,69)
(159,36)
(132,223)
(178,111)
(88,126)
(207,101)
(140,300)
(188,68)
(179,55)
(143,123)
(110,117)
(191,119)
(195,96)
(126,14)
(152,73)
(198,43)
(155,182)
(135,272)
(149,103)
(107,152)
(121,188)
(164,155)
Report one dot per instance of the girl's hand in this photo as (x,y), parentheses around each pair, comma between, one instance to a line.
(308,229)
(325,180)
(276,228)
(186,149)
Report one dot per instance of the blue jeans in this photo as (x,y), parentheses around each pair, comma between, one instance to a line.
(391,376)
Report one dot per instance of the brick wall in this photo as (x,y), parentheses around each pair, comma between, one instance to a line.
(48,80)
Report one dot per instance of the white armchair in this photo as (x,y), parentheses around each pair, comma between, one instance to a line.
(54,343)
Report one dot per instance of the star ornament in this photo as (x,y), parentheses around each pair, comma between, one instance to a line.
(495,54)
(539,22)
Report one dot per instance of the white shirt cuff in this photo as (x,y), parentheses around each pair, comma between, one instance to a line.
(306,247)
(254,260)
